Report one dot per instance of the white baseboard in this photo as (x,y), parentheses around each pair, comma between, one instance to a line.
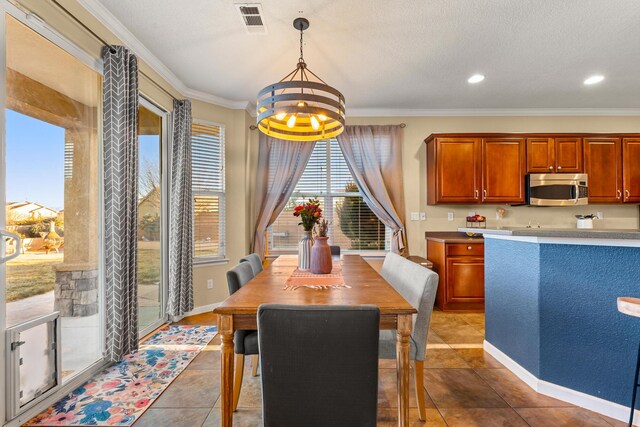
(583,400)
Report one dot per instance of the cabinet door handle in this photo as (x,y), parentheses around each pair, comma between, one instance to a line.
(476,194)
(484,194)
(550,168)
(618,194)
(559,167)
(468,248)
(627,194)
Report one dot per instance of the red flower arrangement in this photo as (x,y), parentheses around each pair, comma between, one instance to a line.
(309,213)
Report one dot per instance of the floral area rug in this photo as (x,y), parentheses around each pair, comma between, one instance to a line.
(119,395)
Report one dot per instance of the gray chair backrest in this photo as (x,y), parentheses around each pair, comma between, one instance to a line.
(255,261)
(238,276)
(335,250)
(319,365)
(418,285)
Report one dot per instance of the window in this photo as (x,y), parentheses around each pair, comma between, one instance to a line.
(207,146)
(354,227)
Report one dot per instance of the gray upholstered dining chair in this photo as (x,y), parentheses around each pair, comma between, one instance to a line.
(319,365)
(335,250)
(245,342)
(418,285)
(255,261)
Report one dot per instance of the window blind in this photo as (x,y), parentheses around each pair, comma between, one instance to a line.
(354,227)
(207,148)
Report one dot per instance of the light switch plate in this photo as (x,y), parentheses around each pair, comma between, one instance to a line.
(450,216)
(423,216)
(415,216)
(210,284)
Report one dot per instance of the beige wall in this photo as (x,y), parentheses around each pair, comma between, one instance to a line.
(238,152)
(415,181)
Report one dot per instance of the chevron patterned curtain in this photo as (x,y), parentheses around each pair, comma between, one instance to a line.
(120,197)
(180,214)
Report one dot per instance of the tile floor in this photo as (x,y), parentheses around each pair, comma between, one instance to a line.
(464,387)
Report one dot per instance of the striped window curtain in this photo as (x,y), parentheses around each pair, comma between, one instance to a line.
(120,127)
(180,215)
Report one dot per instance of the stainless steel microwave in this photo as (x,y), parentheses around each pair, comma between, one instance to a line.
(557,189)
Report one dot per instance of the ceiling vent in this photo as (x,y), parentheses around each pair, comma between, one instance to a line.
(252,17)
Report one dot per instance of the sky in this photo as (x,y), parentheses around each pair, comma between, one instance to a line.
(35,160)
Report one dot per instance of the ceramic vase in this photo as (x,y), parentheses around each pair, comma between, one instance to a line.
(321,256)
(304,251)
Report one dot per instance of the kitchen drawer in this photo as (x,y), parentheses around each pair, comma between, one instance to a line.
(462,249)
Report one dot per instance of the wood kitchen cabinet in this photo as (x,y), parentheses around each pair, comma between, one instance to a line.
(603,165)
(489,168)
(453,165)
(554,155)
(475,170)
(503,170)
(631,169)
(460,264)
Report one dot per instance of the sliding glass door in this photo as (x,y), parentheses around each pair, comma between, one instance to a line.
(151,283)
(51,195)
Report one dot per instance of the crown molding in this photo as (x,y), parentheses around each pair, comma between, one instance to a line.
(106,18)
(214,99)
(486,112)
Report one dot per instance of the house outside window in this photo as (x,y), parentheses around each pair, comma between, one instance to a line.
(207,145)
(353,226)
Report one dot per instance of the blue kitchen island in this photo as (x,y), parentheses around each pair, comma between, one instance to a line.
(551,315)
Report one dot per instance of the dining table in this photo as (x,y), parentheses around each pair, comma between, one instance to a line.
(361,285)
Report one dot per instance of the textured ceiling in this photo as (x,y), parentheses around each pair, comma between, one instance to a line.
(409,54)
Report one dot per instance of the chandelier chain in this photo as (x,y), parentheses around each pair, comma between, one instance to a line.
(301,60)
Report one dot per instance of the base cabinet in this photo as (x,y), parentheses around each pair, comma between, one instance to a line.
(461,270)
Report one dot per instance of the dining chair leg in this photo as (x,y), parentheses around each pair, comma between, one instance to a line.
(254,365)
(237,380)
(419,373)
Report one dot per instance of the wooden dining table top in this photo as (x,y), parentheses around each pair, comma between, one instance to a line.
(366,286)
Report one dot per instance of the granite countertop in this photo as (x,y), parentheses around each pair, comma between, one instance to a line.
(579,233)
(451,237)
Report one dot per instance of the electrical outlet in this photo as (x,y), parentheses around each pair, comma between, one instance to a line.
(210,284)
(471,214)
(415,216)
(450,216)
(600,215)
(423,216)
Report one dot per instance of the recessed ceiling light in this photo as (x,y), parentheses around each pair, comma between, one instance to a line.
(593,80)
(476,78)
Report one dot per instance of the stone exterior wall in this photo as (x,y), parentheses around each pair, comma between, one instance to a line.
(76,293)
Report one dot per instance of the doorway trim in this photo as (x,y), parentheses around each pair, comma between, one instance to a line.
(147,103)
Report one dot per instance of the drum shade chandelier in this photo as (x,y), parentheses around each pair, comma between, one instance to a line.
(300,108)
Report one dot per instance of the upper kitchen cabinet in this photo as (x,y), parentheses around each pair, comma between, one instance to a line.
(490,167)
(554,155)
(541,155)
(503,170)
(603,165)
(470,170)
(631,169)
(453,170)
(568,155)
